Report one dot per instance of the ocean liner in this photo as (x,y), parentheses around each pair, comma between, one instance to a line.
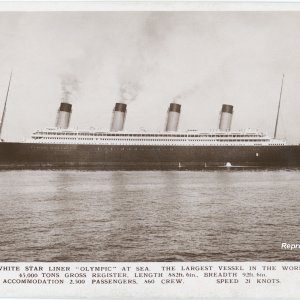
(62,147)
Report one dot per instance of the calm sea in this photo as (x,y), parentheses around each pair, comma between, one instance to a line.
(149,215)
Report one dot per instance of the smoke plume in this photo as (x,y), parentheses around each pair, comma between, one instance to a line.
(129,91)
(147,47)
(70,87)
(186,93)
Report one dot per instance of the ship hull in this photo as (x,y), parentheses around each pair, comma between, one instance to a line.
(33,155)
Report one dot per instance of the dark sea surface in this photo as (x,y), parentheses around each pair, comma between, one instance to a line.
(226,215)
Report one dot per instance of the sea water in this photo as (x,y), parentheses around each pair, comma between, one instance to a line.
(227,215)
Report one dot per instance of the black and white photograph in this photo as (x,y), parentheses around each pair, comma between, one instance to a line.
(149,136)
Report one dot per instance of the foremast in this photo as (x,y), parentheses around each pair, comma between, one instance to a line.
(4,109)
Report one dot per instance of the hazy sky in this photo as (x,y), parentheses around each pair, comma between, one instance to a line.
(201,59)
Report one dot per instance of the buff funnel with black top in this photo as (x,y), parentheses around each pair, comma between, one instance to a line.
(119,116)
(226,117)
(64,115)
(173,117)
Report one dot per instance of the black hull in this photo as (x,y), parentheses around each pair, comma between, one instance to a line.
(50,156)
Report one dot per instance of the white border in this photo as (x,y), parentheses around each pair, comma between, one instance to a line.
(156,5)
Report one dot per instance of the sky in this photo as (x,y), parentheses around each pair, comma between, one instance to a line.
(147,60)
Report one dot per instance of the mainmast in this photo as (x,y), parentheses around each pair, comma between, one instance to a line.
(4,109)
(275,131)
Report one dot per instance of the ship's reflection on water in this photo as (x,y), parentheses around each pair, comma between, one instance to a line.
(149,216)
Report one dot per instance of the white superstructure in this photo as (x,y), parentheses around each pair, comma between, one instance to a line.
(189,138)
